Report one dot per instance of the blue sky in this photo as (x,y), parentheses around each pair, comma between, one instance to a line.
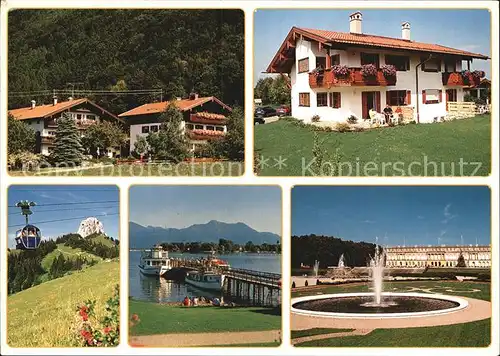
(396,215)
(55,202)
(463,29)
(180,206)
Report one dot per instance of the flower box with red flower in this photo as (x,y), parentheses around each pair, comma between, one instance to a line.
(207,118)
(199,134)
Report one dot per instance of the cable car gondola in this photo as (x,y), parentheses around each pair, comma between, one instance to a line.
(30,236)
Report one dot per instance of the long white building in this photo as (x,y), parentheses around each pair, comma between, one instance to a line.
(475,256)
(330,73)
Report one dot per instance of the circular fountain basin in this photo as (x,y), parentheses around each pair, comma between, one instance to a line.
(361,305)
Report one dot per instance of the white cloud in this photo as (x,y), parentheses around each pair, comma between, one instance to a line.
(369,221)
(447,214)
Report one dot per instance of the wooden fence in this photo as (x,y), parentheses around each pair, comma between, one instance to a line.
(461,110)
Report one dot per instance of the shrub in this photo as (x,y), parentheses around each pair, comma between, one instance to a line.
(104,332)
(315,118)
(368,71)
(391,124)
(25,160)
(388,70)
(340,71)
(342,127)
(352,119)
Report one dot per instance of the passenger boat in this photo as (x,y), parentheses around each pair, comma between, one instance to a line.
(155,262)
(214,261)
(205,280)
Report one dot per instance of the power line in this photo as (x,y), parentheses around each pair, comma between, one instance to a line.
(57,220)
(73,209)
(74,203)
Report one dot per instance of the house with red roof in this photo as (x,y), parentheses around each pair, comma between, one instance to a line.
(336,75)
(43,119)
(204,118)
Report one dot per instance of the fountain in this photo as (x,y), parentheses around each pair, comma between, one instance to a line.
(316,268)
(376,304)
(341,261)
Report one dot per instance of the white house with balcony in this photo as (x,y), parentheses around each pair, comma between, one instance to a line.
(43,120)
(336,75)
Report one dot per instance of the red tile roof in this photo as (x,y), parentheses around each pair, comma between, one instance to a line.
(49,110)
(183,105)
(332,37)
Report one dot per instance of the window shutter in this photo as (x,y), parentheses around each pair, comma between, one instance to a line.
(377,101)
(440,95)
(388,97)
(408,97)
(423,96)
(339,101)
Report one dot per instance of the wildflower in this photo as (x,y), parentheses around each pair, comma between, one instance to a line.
(107,329)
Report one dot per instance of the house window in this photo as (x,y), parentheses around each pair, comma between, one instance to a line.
(432,65)
(335,59)
(321,99)
(154,128)
(145,129)
(321,62)
(78,116)
(335,100)
(370,58)
(210,128)
(431,96)
(198,127)
(450,66)
(303,65)
(218,128)
(304,99)
(397,97)
(402,63)
(90,117)
(189,126)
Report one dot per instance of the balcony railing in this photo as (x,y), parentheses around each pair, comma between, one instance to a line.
(459,79)
(198,134)
(207,118)
(328,79)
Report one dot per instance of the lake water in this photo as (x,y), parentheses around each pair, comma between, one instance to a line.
(160,290)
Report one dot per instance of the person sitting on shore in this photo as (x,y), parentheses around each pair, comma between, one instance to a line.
(195,301)
(186,302)
(216,302)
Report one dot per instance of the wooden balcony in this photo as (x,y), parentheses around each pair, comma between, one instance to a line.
(198,134)
(328,79)
(457,79)
(207,118)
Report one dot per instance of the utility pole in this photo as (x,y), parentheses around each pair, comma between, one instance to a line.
(72,85)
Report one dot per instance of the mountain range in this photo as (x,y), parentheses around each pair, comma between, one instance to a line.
(240,233)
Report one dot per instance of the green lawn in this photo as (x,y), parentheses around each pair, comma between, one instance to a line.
(474,334)
(317,331)
(416,150)
(45,315)
(146,170)
(162,319)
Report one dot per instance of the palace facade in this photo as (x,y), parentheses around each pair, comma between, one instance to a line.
(475,256)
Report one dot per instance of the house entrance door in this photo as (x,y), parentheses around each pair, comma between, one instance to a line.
(370,100)
(451,95)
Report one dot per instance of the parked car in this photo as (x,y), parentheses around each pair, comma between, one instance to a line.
(265,111)
(283,110)
(258,120)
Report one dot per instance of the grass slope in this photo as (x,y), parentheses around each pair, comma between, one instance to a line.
(163,319)
(44,315)
(68,253)
(447,142)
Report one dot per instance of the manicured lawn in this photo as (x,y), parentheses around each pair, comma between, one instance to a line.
(416,150)
(475,334)
(466,289)
(162,319)
(217,169)
(45,315)
(317,331)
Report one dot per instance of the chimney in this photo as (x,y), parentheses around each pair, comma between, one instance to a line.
(355,20)
(405,30)
(193,96)
(70,98)
(178,98)
(54,100)
(33,104)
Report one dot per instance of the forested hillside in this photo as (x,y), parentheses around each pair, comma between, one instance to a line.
(176,50)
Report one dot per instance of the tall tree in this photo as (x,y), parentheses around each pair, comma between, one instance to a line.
(232,145)
(21,137)
(67,144)
(169,143)
(102,135)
